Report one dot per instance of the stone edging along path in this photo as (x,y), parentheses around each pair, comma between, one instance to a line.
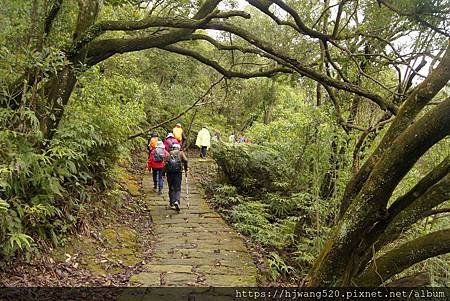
(194,247)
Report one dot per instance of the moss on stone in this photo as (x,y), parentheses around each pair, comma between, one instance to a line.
(121,246)
(127,182)
(146,279)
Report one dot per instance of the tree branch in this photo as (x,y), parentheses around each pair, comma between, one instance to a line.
(220,46)
(433,177)
(151,21)
(399,223)
(306,30)
(415,102)
(414,16)
(416,70)
(51,16)
(417,280)
(323,13)
(299,66)
(406,255)
(222,70)
(264,8)
(435,211)
(330,60)
(337,108)
(98,48)
(429,192)
(368,207)
(338,19)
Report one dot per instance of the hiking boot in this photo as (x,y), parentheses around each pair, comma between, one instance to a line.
(159,192)
(177,207)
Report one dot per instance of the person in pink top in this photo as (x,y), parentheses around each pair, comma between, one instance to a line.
(170,141)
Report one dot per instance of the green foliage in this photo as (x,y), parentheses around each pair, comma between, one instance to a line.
(302,139)
(273,188)
(251,168)
(290,155)
(281,207)
(47,188)
(252,219)
(226,196)
(278,267)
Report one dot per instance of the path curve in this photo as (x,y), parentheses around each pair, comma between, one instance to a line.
(194,247)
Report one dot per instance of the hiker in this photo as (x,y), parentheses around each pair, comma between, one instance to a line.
(170,141)
(156,163)
(203,141)
(216,136)
(232,138)
(179,134)
(174,171)
(151,144)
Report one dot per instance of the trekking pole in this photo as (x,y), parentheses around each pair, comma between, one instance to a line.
(187,189)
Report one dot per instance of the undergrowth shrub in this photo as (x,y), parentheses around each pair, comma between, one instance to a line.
(226,196)
(278,266)
(252,219)
(252,169)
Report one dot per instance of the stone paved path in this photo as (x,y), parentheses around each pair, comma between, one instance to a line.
(194,247)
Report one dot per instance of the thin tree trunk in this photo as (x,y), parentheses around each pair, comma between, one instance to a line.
(59,89)
(190,128)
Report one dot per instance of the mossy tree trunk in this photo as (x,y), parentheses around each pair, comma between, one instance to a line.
(402,257)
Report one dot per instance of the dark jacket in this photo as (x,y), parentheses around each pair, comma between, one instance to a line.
(182,155)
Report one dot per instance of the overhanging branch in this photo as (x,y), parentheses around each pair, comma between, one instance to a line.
(99,48)
(301,25)
(227,73)
(151,21)
(299,66)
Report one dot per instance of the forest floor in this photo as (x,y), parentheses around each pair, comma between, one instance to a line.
(145,243)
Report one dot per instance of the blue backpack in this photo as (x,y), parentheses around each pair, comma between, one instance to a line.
(158,155)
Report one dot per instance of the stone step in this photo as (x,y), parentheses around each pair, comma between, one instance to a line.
(203,261)
(194,247)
